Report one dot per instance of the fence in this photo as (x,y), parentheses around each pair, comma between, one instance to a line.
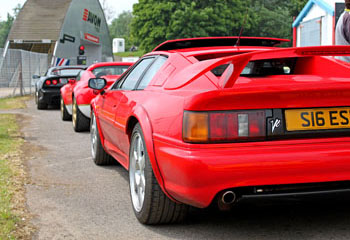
(17,69)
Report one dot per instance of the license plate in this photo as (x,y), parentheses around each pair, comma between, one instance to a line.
(317,119)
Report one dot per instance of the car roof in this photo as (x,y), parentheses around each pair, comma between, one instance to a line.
(204,42)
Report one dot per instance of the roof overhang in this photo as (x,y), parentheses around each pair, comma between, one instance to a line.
(322,4)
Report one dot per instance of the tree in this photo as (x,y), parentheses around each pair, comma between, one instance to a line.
(5,26)
(271,19)
(120,27)
(158,20)
(295,6)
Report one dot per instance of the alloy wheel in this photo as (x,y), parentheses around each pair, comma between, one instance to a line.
(74,113)
(137,172)
(93,136)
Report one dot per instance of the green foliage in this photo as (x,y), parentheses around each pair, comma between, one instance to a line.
(156,21)
(120,28)
(5,27)
(295,6)
(271,18)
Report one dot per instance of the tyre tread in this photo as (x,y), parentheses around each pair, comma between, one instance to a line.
(65,115)
(102,158)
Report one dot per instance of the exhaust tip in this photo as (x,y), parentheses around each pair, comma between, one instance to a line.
(228,197)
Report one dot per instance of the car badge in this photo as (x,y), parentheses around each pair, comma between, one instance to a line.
(276,123)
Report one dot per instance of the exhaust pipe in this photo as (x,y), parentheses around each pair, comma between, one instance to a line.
(227,200)
(228,197)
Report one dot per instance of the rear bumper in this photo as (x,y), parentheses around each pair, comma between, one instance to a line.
(195,174)
(49,96)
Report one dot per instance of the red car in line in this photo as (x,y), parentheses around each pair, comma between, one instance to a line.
(76,95)
(208,120)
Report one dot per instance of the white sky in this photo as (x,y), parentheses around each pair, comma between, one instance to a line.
(118,6)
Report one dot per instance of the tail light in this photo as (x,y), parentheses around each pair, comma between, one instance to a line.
(51,82)
(228,126)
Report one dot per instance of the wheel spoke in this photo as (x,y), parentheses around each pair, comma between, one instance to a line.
(140,197)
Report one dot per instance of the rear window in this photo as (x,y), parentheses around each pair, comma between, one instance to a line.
(262,68)
(66,72)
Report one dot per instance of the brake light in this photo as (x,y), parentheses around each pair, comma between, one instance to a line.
(230,126)
(54,82)
(48,82)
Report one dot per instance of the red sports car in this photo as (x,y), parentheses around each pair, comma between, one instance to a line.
(208,120)
(76,95)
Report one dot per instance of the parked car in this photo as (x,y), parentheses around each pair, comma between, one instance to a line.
(76,95)
(47,88)
(207,120)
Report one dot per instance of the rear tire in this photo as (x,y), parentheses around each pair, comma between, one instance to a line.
(150,204)
(41,105)
(98,153)
(80,122)
(65,116)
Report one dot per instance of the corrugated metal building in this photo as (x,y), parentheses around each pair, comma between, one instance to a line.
(60,27)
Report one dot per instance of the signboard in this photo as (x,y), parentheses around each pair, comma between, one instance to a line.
(81,60)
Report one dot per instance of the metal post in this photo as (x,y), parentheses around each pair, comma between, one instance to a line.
(21,76)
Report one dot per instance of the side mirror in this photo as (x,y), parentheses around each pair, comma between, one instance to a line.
(97,83)
(71,81)
(36,77)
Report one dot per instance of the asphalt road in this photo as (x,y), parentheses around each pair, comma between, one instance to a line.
(72,198)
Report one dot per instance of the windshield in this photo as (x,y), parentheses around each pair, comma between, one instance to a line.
(109,70)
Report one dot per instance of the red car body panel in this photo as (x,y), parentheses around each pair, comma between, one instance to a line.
(80,89)
(195,173)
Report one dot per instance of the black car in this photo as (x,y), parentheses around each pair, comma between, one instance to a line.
(47,88)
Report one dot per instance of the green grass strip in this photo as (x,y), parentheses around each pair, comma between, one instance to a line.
(13,103)
(130,54)
(9,143)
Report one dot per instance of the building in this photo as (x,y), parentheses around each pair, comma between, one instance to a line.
(118,45)
(70,31)
(315,25)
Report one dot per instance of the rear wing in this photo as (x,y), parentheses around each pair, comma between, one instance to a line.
(218,42)
(238,62)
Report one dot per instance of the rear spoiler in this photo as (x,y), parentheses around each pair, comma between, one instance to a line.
(238,63)
(218,41)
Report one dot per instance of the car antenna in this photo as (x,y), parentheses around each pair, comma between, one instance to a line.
(241,31)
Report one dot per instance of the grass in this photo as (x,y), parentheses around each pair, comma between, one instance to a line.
(13,102)
(130,54)
(9,144)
